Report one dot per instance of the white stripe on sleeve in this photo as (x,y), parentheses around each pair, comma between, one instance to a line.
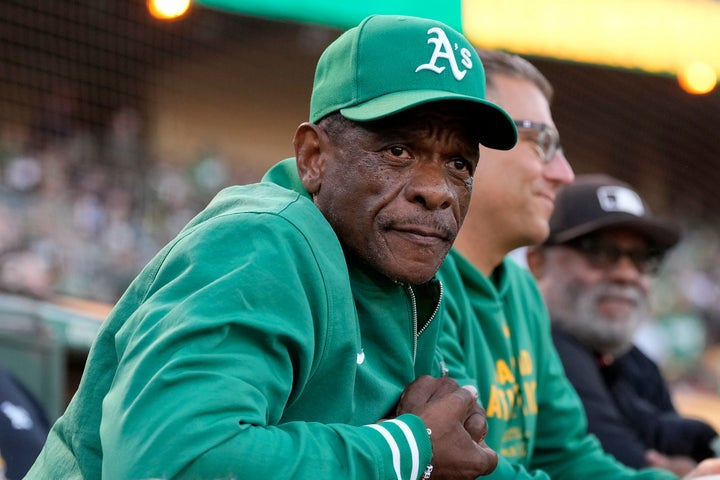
(393,447)
(412,443)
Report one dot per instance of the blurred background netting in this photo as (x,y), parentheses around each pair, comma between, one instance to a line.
(116,128)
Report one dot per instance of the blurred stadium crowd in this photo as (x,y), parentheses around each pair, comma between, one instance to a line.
(80,214)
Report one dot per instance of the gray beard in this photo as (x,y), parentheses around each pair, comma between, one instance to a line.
(606,336)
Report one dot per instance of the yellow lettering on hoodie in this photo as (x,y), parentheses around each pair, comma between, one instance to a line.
(497,404)
(526,363)
(503,373)
(529,389)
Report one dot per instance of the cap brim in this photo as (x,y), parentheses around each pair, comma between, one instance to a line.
(660,234)
(495,127)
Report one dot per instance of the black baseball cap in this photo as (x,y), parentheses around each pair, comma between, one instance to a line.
(595,202)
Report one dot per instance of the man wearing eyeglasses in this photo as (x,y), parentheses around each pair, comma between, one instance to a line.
(497,331)
(594,271)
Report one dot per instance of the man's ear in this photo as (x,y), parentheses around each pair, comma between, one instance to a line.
(535,261)
(308,142)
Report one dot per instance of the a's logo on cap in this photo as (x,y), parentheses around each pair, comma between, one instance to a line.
(620,199)
(443,49)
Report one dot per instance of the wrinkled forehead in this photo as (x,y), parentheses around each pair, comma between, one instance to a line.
(451,117)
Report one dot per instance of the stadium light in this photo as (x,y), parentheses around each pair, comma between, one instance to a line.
(168,9)
(698,78)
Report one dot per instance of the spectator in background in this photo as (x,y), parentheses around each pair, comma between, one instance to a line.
(594,271)
(26,267)
(23,427)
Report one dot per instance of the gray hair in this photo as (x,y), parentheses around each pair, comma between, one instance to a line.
(497,62)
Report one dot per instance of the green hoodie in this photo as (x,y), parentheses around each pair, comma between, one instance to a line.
(237,353)
(498,337)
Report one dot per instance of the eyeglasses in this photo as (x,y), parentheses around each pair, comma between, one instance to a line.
(547,139)
(602,255)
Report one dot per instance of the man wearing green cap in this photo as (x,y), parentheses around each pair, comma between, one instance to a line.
(289,331)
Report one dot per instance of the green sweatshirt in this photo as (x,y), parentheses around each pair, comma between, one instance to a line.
(248,349)
(498,337)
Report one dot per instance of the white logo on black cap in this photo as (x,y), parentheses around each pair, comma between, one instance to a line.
(443,49)
(620,199)
(18,416)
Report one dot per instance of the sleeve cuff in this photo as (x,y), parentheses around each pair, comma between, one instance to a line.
(405,444)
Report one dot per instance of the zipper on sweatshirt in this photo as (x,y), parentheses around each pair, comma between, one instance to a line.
(413,305)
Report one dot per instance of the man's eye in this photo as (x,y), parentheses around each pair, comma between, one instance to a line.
(462,164)
(545,141)
(398,151)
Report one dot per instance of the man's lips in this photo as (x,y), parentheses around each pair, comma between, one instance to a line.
(548,197)
(618,299)
(423,232)
(616,307)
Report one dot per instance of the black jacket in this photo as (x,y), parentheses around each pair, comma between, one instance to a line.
(628,405)
(23,427)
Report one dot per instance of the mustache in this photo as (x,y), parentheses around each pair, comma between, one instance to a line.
(629,292)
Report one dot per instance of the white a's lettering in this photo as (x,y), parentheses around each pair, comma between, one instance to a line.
(443,49)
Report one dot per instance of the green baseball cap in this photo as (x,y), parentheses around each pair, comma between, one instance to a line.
(390,63)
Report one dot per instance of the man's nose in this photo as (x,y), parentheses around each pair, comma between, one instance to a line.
(559,170)
(429,186)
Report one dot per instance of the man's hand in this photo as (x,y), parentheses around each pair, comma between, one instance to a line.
(679,465)
(457,423)
(710,466)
